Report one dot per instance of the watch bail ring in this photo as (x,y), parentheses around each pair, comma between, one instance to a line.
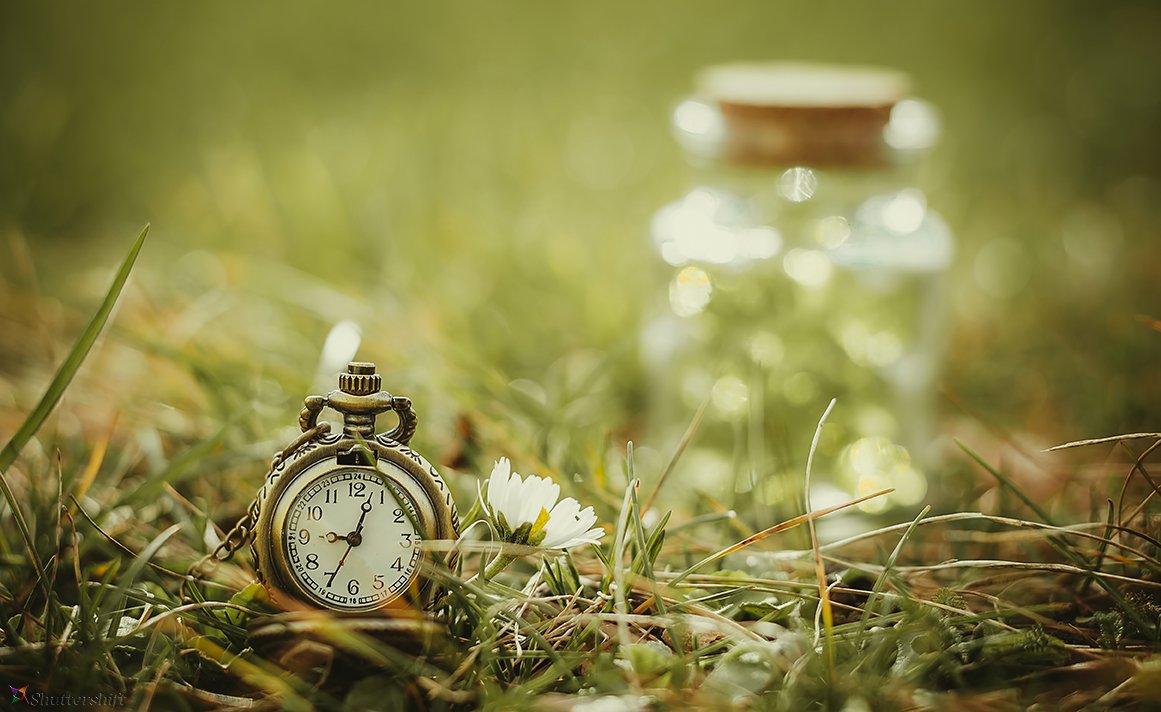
(359,399)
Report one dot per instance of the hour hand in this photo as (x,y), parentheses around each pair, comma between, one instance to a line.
(332,537)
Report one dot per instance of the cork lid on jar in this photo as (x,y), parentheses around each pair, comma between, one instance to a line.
(799,114)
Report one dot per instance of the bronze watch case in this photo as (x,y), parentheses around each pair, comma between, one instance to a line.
(318,451)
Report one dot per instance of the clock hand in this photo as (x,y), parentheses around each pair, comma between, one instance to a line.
(353,539)
(366,507)
(350,545)
(331,575)
(332,537)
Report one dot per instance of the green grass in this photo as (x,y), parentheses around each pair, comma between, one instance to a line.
(685,608)
(473,185)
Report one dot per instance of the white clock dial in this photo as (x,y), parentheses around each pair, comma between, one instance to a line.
(351,540)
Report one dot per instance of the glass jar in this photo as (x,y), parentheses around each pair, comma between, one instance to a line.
(803,263)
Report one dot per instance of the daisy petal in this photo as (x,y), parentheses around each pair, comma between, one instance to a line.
(498,484)
(533,500)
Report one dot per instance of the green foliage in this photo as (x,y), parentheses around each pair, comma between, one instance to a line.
(1111,626)
(688,608)
(472,184)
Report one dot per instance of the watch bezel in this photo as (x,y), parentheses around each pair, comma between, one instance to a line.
(283,558)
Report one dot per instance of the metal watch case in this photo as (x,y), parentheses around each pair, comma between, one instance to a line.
(317,451)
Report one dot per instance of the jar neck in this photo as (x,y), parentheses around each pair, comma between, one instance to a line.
(730,213)
(741,145)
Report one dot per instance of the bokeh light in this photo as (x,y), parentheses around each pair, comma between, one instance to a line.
(481,191)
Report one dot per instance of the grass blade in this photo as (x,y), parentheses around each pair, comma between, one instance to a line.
(686,439)
(56,388)
(1147,626)
(780,527)
(881,580)
(68,369)
(620,600)
(1099,441)
(1031,504)
(819,567)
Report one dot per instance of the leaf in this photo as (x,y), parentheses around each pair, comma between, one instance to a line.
(881,581)
(56,388)
(254,597)
(133,573)
(68,369)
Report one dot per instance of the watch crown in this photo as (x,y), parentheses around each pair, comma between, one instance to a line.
(360,379)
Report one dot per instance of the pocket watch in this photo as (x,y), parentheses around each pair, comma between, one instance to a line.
(339,525)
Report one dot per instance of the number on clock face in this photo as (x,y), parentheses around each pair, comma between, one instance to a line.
(351,540)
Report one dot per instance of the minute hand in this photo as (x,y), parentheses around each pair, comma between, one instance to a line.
(353,539)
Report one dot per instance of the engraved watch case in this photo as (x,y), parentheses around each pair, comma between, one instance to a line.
(374,463)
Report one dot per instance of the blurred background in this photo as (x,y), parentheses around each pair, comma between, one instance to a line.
(472,185)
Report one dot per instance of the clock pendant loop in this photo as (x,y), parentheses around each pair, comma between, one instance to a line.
(359,400)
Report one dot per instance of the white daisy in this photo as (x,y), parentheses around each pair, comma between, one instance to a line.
(526,511)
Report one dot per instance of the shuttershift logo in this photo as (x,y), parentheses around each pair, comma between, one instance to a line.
(65,700)
(19,694)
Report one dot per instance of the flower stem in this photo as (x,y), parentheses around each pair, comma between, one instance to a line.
(497,565)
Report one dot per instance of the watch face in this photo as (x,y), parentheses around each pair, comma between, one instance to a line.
(351,539)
